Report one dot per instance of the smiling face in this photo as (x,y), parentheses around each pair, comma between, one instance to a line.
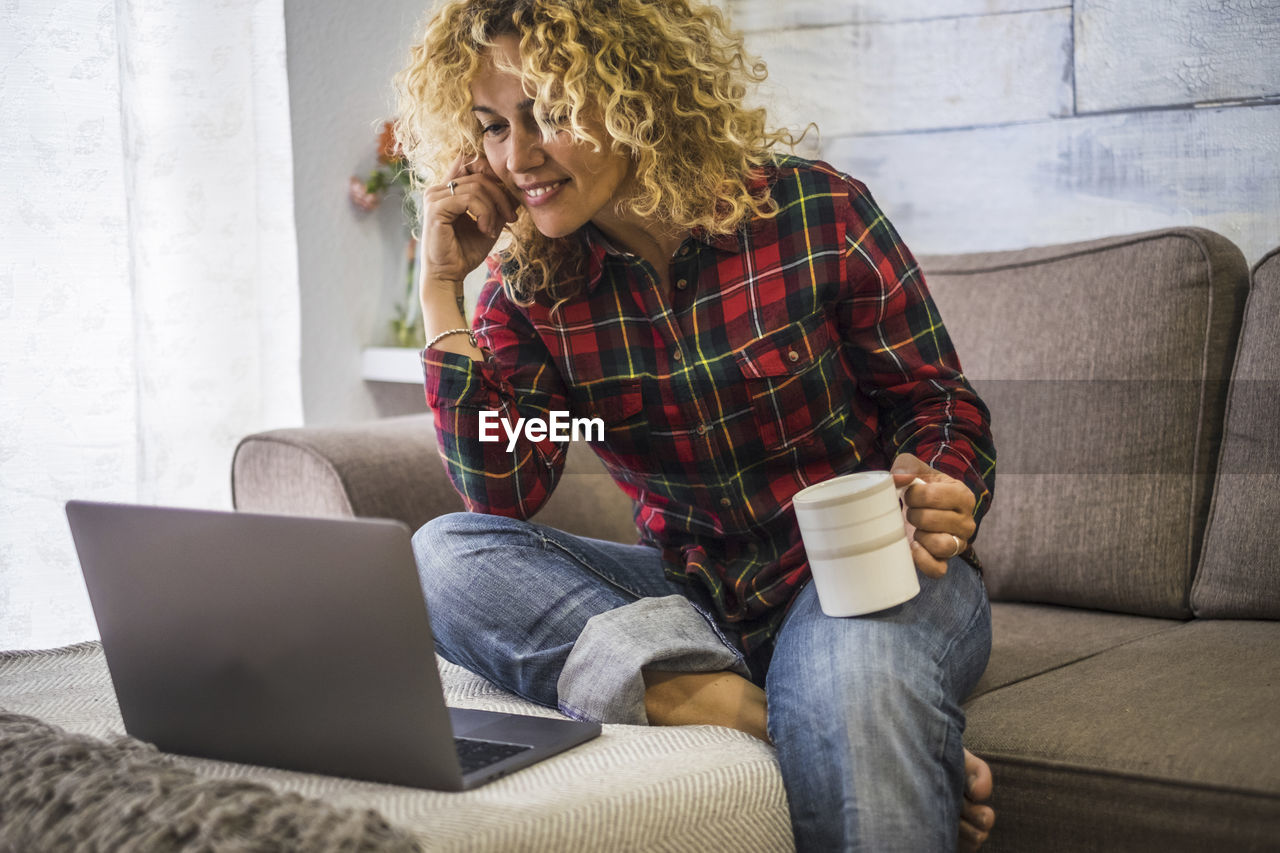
(563,182)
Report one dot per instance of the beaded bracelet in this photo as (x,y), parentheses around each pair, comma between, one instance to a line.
(470,336)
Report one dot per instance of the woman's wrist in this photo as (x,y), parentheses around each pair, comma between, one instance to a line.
(447,333)
(442,297)
(441,282)
(441,288)
(442,319)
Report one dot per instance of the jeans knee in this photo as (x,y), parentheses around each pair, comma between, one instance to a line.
(430,543)
(863,672)
(450,549)
(434,536)
(444,549)
(865,693)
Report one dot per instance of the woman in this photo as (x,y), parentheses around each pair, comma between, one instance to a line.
(744,324)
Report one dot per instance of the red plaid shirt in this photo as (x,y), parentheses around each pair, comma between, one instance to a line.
(800,348)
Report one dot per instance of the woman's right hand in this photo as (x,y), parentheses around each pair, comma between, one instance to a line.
(462,219)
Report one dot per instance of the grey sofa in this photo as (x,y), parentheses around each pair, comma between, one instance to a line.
(1132,701)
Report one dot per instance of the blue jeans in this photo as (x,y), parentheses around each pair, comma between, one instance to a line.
(865,712)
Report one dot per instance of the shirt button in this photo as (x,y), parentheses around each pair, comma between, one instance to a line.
(682,284)
(793,356)
(702,429)
(725,502)
(678,355)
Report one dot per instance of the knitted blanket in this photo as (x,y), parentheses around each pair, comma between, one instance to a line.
(73,792)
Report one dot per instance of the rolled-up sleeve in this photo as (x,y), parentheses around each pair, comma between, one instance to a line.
(905,359)
(478,404)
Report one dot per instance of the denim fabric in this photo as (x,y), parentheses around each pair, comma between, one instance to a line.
(561,620)
(875,701)
(865,712)
(601,678)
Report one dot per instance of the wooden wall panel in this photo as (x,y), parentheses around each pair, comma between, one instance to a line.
(784,14)
(1076,179)
(756,15)
(965,116)
(1190,51)
(952,72)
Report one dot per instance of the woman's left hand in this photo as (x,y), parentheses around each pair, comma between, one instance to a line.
(939,514)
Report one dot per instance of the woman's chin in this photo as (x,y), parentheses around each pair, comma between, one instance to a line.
(554,228)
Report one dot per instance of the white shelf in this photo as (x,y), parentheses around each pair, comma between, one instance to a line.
(391,364)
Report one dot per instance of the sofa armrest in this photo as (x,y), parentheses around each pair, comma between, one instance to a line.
(386,468)
(390,468)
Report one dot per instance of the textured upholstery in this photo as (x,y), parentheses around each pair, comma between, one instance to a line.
(1164,743)
(383,469)
(633,788)
(1030,639)
(1239,574)
(1105,366)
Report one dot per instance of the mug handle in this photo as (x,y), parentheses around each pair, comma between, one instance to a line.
(902,490)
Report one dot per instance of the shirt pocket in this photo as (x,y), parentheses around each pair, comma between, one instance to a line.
(614,401)
(619,404)
(790,375)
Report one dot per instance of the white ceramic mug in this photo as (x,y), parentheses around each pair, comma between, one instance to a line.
(855,536)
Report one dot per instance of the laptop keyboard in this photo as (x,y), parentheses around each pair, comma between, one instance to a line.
(475,754)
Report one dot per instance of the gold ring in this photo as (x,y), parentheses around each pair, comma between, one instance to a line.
(453,185)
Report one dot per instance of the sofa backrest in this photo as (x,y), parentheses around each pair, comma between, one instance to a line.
(1105,366)
(1239,573)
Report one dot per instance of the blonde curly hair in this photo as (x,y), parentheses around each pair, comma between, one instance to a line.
(666,77)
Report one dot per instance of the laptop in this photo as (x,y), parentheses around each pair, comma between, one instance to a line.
(291,642)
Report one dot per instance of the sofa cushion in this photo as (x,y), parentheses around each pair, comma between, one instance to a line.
(678,789)
(1165,743)
(1030,639)
(1239,574)
(1104,364)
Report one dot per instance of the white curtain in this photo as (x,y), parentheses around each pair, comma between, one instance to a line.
(149,310)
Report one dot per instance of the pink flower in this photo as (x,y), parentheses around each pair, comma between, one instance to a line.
(388,148)
(360,195)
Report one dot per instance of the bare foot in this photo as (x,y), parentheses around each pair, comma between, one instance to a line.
(705,698)
(976,820)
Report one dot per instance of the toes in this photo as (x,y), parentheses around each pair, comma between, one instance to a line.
(971,838)
(978,782)
(976,820)
(979,817)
